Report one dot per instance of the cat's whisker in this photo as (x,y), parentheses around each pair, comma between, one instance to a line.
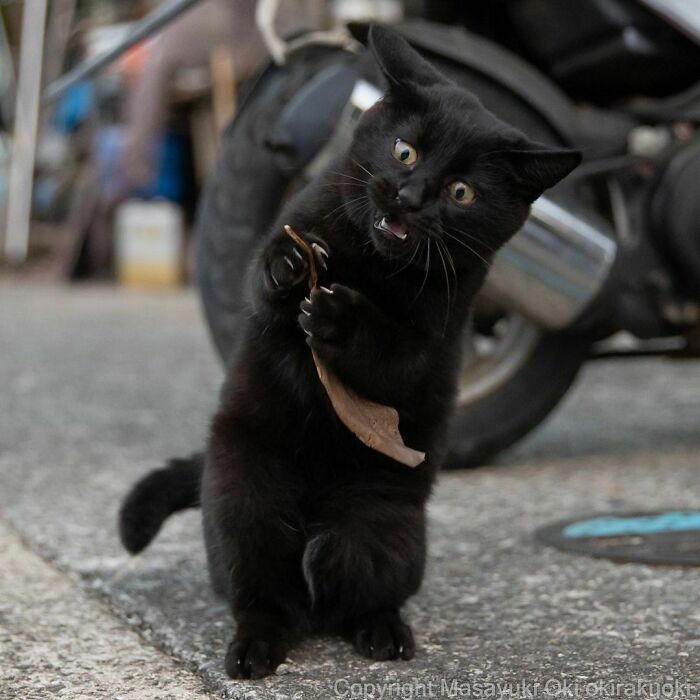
(356,200)
(447,284)
(450,260)
(345,204)
(410,260)
(345,184)
(448,256)
(358,210)
(350,215)
(468,247)
(359,165)
(427,269)
(359,204)
(349,177)
(468,235)
(452,263)
(342,213)
(440,246)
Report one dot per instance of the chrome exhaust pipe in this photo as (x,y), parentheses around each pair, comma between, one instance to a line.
(553,268)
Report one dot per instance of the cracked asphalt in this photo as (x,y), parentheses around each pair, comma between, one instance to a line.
(98,386)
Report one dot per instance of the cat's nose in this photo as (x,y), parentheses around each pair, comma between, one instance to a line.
(410,195)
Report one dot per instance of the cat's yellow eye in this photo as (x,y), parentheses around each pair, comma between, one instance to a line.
(404,152)
(461,192)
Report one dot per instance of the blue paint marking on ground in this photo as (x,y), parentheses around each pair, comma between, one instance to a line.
(610,526)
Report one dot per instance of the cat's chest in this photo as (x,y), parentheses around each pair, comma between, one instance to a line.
(377,285)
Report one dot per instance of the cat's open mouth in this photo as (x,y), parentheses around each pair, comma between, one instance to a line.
(391,227)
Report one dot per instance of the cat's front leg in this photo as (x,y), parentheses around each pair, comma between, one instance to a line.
(370,353)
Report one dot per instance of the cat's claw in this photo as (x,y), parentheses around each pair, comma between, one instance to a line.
(286,266)
(321,253)
(385,641)
(253,658)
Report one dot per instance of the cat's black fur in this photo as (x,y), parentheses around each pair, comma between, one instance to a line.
(306,528)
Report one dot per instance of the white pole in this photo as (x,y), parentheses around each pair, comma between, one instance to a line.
(25,131)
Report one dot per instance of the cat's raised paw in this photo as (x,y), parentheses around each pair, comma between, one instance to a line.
(383,640)
(286,266)
(253,658)
(330,315)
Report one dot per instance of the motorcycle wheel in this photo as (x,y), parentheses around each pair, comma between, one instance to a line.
(514,374)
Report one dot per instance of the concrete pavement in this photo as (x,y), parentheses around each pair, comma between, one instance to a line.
(56,641)
(98,387)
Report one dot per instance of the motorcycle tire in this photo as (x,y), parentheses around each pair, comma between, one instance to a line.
(241,199)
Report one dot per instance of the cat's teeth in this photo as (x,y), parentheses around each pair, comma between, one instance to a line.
(394,228)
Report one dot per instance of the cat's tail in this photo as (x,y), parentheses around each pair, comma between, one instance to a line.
(158,495)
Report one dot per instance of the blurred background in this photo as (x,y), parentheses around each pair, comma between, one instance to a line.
(147,125)
(144,128)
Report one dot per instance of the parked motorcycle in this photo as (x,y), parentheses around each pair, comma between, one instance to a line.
(608,263)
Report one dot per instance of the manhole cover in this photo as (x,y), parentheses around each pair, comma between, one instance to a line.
(665,537)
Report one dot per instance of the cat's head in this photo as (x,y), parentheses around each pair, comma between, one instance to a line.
(429,164)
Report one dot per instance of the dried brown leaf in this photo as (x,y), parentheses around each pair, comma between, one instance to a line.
(377,426)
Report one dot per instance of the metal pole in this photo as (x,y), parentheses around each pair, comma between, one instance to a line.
(144,28)
(25,131)
(58,31)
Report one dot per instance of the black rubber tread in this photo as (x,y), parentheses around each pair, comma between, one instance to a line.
(490,425)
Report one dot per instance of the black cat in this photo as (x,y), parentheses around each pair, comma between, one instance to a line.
(306,528)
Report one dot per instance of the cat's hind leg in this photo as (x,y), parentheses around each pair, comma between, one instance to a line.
(267,595)
(361,568)
(255,550)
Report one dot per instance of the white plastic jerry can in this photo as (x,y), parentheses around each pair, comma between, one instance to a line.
(149,243)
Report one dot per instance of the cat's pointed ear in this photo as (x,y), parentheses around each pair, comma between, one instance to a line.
(402,66)
(539,167)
